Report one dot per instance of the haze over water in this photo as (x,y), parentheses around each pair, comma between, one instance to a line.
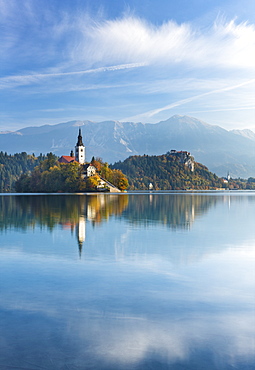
(130,281)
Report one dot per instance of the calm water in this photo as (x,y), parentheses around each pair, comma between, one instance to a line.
(130,281)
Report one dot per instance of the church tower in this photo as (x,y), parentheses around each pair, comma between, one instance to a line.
(81,232)
(80,150)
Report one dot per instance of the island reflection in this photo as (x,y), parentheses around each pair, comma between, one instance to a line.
(73,212)
(175,211)
(26,211)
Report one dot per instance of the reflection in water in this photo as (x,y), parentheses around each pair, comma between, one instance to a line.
(24,211)
(175,211)
(165,281)
(81,232)
(70,211)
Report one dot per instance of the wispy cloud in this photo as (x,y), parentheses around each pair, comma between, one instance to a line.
(13,81)
(58,49)
(130,39)
(175,104)
(224,109)
(77,39)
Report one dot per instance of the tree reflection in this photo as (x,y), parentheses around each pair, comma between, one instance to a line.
(69,211)
(177,211)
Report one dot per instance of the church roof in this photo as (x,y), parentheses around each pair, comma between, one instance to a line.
(66,159)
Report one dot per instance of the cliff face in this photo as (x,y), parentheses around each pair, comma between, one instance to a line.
(185,158)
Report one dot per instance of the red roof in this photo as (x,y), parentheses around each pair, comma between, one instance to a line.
(66,159)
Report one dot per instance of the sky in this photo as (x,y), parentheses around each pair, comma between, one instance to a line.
(127,60)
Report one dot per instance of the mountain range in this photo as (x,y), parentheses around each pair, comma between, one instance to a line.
(220,150)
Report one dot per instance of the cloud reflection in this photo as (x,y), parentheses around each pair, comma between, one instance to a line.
(127,316)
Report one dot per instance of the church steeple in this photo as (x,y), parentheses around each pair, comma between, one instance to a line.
(79,142)
(80,150)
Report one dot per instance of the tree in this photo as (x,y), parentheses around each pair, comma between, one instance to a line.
(92,182)
(96,164)
(119,180)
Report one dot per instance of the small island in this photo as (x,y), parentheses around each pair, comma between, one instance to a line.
(71,174)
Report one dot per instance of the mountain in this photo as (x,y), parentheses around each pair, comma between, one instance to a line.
(245,133)
(220,150)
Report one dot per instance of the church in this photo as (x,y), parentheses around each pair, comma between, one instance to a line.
(80,155)
(88,168)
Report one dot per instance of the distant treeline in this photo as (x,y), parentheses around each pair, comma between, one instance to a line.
(165,172)
(13,166)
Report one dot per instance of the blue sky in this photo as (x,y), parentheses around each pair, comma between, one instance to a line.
(133,60)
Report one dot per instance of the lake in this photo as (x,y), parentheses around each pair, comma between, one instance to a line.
(127,281)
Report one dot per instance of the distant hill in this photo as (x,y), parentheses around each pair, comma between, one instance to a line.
(220,150)
(171,171)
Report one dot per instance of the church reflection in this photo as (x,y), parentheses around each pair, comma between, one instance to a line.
(73,212)
(95,209)
(81,233)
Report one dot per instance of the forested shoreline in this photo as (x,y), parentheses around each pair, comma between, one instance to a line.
(22,172)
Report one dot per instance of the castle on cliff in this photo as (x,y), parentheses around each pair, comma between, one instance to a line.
(183,157)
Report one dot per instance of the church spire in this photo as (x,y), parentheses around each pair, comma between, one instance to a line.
(80,150)
(79,142)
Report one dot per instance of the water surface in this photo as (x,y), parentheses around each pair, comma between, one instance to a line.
(128,281)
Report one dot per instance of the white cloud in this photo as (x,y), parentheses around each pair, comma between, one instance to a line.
(132,39)
(60,52)
(193,98)
(127,40)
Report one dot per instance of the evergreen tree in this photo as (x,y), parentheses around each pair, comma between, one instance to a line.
(13,166)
